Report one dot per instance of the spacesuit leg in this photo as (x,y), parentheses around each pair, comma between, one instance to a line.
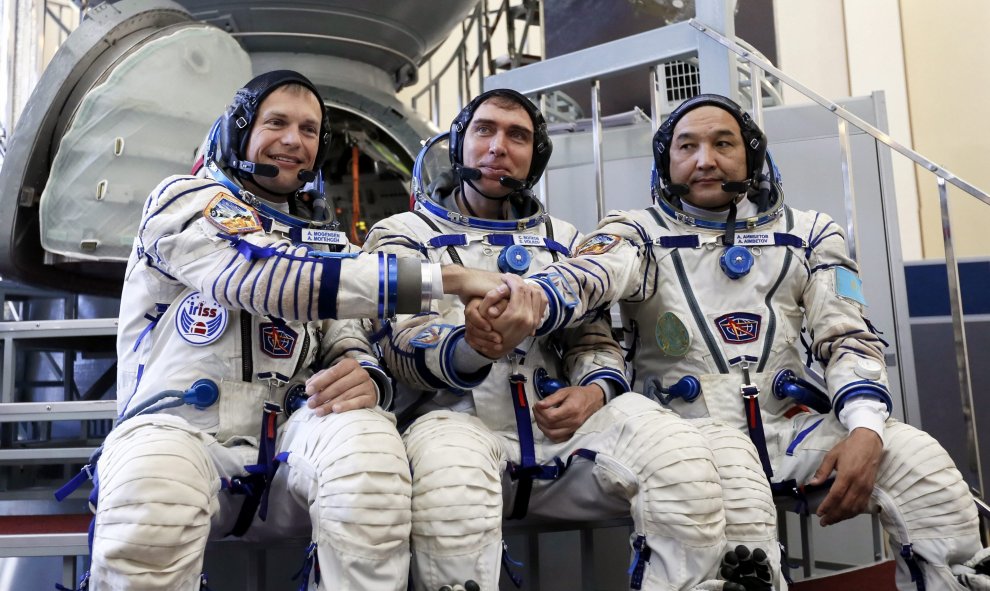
(750,514)
(350,471)
(457,501)
(925,502)
(158,493)
(664,467)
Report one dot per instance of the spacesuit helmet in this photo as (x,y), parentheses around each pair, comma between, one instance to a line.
(542,146)
(754,140)
(225,146)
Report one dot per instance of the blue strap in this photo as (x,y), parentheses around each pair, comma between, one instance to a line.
(754,423)
(75,482)
(911,560)
(637,570)
(507,563)
(527,449)
(311,562)
(445,240)
(687,241)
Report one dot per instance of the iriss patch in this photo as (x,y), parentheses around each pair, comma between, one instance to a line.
(739,327)
(231,215)
(200,319)
(598,244)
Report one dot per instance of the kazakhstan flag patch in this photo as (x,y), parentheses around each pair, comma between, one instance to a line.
(848,285)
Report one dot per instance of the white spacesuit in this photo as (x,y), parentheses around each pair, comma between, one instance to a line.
(713,310)
(226,310)
(476,451)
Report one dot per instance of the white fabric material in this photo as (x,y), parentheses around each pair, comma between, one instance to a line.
(346,485)
(787,286)
(650,465)
(868,413)
(750,513)
(346,482)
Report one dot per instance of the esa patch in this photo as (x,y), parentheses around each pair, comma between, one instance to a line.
(200,320)
(430,336)
(598,244)
(737,328)
(672,336)
(848,285)
(231,215)
(276,341)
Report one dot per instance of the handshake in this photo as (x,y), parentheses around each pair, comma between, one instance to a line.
(500,311)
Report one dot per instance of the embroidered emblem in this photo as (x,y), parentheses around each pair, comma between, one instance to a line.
(200,320)
(673,337)
(230,215)
(848,285)
(276,341)
(598,244)
(739,327)
(430,336)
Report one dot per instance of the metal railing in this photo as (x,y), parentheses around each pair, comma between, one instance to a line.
(481,26)
(710,39)
(942,176)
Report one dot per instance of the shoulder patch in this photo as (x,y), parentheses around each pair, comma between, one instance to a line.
(430,336)
(231,215)
(597,244)
(848,285)
(200,320)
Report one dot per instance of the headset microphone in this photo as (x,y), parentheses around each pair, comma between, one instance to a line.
(736,186)
(678,190)
(511,183)
(269,170)
(467,174)
(306,176)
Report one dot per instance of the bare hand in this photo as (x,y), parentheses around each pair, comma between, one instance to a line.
(479,333)
(560,414)
(855,461)
(343,387)
(469,283)
(516,321)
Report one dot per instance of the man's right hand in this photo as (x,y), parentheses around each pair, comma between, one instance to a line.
(468,284)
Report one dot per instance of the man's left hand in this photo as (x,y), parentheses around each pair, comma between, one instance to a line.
(855,461)
(343,387)
(560,414)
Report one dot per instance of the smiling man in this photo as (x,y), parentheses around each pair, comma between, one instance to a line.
(245,409)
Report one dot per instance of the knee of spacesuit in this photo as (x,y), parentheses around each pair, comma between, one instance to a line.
(457,500)
(925,502)
(750,513)
(352,467)
(158,493)
(664,467)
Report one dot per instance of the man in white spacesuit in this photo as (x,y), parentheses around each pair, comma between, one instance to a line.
(542,428)
(226,311)
(713,282)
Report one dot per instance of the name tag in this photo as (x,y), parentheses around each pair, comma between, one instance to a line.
(757,239)
(323,237)
(527,240)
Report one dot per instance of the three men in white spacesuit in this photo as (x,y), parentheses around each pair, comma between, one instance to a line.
(713,282)
(226,313)
(537,429)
